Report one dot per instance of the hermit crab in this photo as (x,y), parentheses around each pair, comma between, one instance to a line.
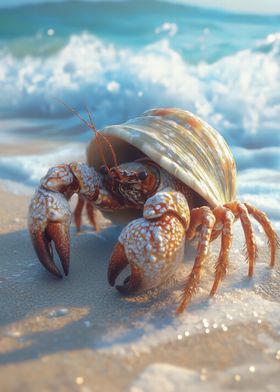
(172,168)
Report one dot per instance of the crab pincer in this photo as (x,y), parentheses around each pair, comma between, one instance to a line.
(49,215)
(152,246)
(49,221)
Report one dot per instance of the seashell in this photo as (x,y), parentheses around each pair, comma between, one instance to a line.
(181,143)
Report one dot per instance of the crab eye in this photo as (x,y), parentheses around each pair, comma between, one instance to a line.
(142,175)
(103,170)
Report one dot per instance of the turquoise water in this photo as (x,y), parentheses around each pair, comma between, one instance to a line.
(195,33)
(122,58)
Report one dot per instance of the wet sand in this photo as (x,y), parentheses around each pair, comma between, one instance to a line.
(79,334)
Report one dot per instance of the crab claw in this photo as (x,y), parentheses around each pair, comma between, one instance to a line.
(117,264)
(49,220)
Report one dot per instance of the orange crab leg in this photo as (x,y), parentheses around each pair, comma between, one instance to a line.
(199,216)
(272,237)
(91,215)
(226,218)
(240,211)
(78,212)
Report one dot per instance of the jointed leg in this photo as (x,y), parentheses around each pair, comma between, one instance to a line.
(91,215)
(221,223)
(199,216)
(240,211)
(226,219)
(272,237)
(78,213)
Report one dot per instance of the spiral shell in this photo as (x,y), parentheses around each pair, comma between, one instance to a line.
(181,143)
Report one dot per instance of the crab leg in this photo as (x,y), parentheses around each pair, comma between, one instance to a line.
(205,218)
(91,216)
(272,236)
(226,218)
(240,211)
(90,213)
(78,212)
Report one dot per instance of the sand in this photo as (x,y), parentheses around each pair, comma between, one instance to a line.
(79,334)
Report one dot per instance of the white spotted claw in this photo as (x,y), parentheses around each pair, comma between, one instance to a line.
(153,246)
(49,220)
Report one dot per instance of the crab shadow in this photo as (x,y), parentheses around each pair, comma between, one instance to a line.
(41,314)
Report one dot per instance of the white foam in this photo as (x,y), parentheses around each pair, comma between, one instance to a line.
(261,188)
(238,94)
(28,169)
(160,377)
(237,306)
(169,28)
(163,377)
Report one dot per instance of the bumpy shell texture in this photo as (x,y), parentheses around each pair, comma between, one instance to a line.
(181,143)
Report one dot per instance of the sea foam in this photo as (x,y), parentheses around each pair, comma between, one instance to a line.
(238,94)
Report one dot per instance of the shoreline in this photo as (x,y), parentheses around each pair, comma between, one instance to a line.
(79,334)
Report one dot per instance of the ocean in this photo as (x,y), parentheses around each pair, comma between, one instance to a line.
(122,58)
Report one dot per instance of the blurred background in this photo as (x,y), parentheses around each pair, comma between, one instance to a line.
(218,59)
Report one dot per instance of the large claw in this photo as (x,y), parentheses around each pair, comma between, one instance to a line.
(49,220)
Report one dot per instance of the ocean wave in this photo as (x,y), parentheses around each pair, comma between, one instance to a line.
(28,169)
(261,187)
(239,94)
(116,83)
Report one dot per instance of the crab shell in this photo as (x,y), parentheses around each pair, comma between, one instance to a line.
(179,142)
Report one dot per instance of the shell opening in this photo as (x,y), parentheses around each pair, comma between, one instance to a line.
(125,152)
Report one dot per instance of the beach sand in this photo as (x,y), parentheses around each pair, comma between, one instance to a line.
(79,334)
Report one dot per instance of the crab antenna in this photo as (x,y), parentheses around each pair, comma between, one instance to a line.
(97,134)
(113,155)
(91,126)
(108,143)
(73,111)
